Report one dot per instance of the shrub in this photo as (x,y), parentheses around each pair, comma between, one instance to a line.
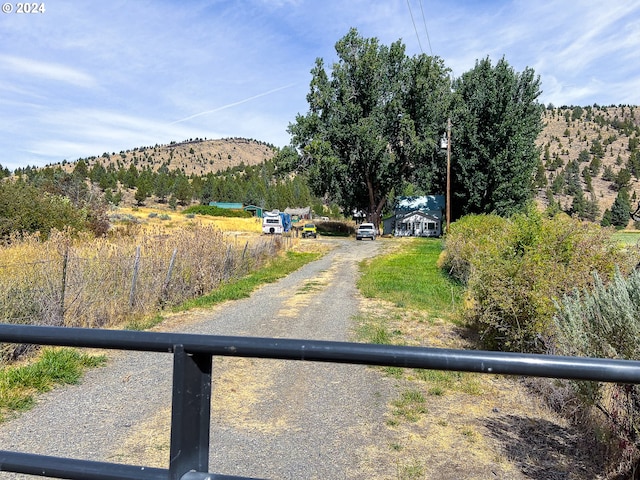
(514,268)
(469,239)
(25,209)
(216,211)
(605,323)
(337,229)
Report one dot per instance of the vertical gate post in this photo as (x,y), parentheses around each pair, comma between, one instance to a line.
(191,413)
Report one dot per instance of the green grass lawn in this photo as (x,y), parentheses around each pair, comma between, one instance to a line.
(627,238)
(54,366)
(410,277)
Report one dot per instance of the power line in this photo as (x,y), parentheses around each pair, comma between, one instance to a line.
(414,25)
(425,28)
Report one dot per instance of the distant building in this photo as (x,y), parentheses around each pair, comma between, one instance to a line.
(229,205)
(300,213)
(255,211)
(416,217)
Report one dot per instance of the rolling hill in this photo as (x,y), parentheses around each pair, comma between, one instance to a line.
(570,139)
(578,134)
(193,156)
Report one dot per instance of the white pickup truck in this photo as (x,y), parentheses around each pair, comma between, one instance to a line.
(366,230)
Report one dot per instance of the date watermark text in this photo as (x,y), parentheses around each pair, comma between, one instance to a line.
(32,7)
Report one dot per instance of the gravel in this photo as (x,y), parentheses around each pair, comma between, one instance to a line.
(270,418)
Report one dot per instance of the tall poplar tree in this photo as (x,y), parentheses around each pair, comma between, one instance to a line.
(373,122)
(496,122)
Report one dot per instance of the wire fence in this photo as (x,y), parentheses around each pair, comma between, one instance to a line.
(76,283)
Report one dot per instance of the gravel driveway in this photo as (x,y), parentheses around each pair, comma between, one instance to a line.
(270,418)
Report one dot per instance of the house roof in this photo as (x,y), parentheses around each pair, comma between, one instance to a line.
(231,205)
(257,211)
(425,202)
(298,211)
(419,213)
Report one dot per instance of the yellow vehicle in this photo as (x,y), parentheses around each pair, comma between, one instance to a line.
(309,230)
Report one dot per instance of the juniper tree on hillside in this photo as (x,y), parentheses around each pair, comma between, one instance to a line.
(621,209)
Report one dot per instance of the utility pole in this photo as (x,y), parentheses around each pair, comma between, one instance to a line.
(448,214)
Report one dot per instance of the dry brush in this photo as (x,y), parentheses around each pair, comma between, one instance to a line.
(83,282)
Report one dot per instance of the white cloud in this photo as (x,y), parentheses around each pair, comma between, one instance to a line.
(90,77)
(19,66)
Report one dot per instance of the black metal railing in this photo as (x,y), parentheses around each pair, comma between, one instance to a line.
(191,400)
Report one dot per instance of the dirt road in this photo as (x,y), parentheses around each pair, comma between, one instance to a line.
(270,419)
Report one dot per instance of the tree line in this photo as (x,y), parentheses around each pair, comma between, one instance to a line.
(373,132)
(40,200)
(376,118)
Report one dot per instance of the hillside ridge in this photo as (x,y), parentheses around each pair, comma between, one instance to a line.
(571,138)
(580,134)
(194,156)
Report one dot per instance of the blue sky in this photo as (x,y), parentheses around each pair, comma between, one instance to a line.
(84,77)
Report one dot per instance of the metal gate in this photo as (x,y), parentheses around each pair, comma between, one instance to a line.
(191,399)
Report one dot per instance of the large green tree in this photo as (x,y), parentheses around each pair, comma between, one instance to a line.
(621,209)
(25,208)
(373,123)
(496,122)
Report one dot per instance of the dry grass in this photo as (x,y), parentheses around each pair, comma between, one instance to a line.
(145,264)
(198,157)
(152,217)
(452,425)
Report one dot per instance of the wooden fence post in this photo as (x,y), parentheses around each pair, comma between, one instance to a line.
(136,268)
(65,261)
(167,280)
(226,264)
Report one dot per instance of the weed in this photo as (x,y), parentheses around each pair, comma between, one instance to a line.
(310,286)
(469,433)
(436,391)
(411,471)
(144,323)
(372,330)
(394,372)
(18,384)
(410,405)
(441,381)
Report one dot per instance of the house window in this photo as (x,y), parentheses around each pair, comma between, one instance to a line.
(431,226)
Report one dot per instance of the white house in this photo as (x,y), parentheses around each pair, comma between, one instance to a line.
(416,217)
(418,224)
